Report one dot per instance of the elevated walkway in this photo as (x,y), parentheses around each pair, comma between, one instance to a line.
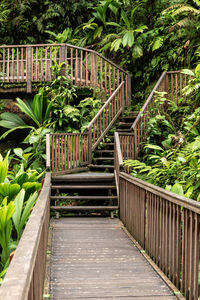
(93,258)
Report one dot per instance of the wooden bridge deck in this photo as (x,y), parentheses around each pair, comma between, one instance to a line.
(93,258)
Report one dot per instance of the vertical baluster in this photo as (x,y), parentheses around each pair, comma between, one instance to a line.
(56,147)
(72,76)
(86,68)
(68,152)
(101,73)
(105,69)
(52,152)
(77,71)
(46,65)
(12,65)
(41,63)
(17,64)
(8,65)
(176,88)
(172,87)
(109,79)
(196,257)
(81,68)
(36,64)
(4,64)
(65,152)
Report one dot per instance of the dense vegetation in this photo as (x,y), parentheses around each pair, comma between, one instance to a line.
(170,157)
(146,37)
(157,35)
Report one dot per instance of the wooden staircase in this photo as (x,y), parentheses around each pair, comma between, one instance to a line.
(93,191)
(103,156)
(84,192)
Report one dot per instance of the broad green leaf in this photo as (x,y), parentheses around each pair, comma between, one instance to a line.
(177,188)
(4,168)
(128,39)
(158,43)
(38,105)
(27,210)
(4,135)
(27,111)
(116,44)
(197,70)
(125,19)
(113,24)
(9,190)
(187,72)
(98,32)
(189,192)
(137,51)
(154,147)
(18,152)
(9,120)
(19,200)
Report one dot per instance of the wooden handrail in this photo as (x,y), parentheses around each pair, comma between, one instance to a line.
(106,116)
(190,204)
(70,46)
(167,226)
(104,106)
(118,149)
(26,273)
(148,100)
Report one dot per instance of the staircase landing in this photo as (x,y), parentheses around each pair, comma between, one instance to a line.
(93,258)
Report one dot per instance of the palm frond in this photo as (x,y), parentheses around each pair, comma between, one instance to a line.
(186,9)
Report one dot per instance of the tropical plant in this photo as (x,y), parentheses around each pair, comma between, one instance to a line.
(170,157)
(38,111)
(6,213)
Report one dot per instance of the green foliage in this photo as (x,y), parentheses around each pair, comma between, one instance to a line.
(18,193)
(171,158)
(22,210)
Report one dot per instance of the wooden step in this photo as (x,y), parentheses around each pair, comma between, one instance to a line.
(104,151)
(83,197)
(124,130)
(84,208)
(122,123)
(103,158)
(83,187)
(84,177)
(101,166)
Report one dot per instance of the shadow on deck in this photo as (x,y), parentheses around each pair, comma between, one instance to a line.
(93,258)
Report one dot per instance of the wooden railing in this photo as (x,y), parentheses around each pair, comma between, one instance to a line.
(33,63)
(67,151)
(24,279)
(85,67)
(107,115)
(167,226)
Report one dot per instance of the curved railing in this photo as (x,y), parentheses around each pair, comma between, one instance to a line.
(166,225)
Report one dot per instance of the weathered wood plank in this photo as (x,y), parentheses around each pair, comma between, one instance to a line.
(93,258)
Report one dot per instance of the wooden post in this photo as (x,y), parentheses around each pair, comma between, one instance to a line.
(93,70)
(63,59)
(90,145)
(128,89)
(29,69)
(48,158)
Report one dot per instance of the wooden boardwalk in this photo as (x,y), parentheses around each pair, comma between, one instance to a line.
(93,258)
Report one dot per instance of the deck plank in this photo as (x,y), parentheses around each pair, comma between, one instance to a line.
(93,258)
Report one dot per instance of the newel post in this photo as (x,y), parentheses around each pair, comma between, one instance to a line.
(48,154)
(128,89)
(29,68)
(90,145)
(94,70)
(63,59)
